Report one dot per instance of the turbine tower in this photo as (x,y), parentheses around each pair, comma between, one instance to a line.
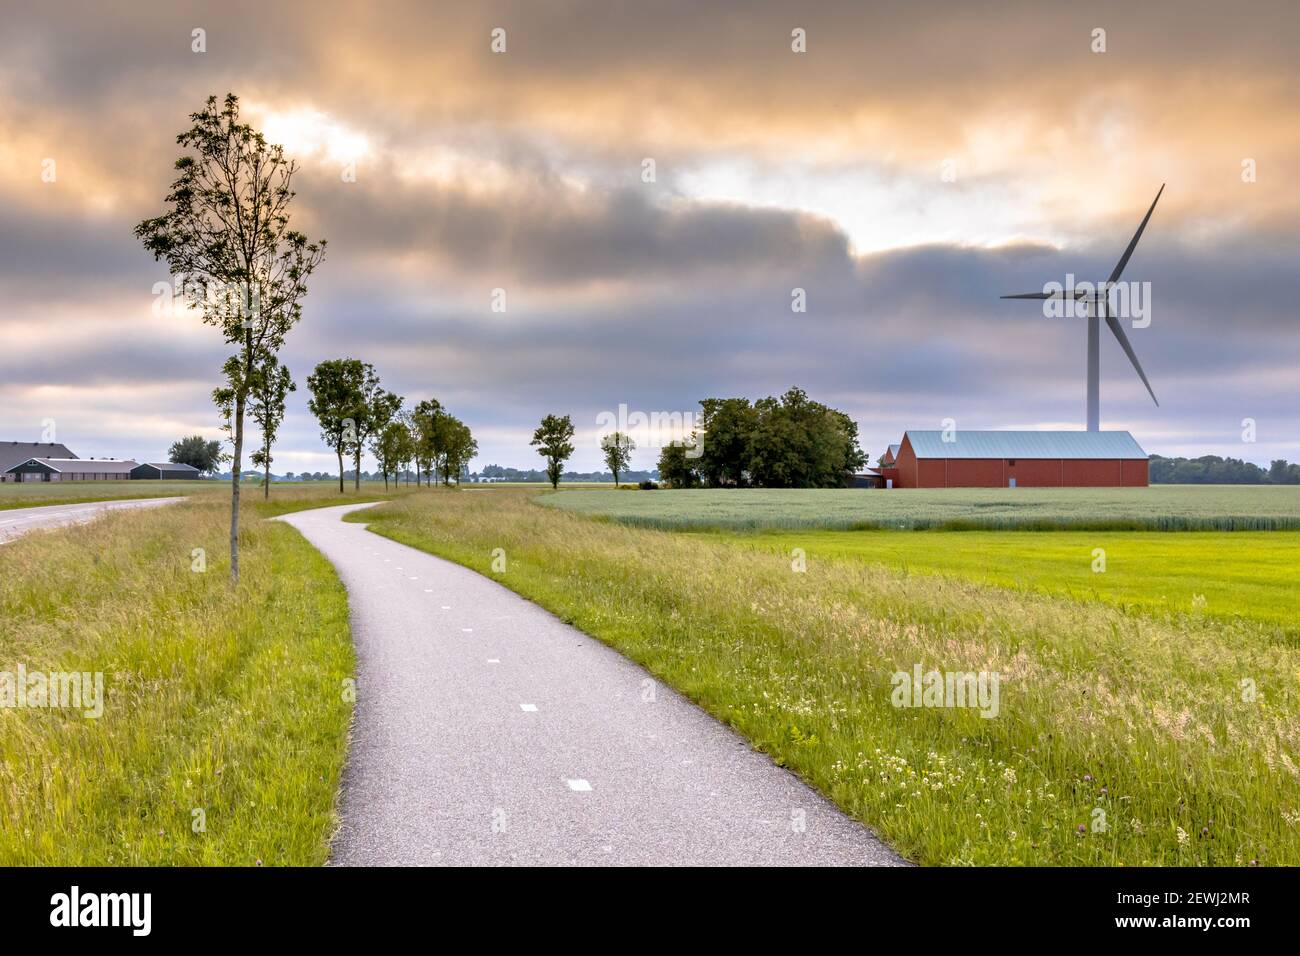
(1097,305)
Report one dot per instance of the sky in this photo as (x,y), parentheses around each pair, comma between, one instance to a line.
(643,186)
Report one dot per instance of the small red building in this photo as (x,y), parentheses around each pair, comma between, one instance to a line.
(1006,459)
(889,467)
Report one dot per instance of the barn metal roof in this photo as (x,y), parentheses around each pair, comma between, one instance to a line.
(169,465)
(16,452)
(85,466)
(1000,444)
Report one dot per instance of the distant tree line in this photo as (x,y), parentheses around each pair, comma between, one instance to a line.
(502,473)
(1213,470)
(356,413)
(786,442)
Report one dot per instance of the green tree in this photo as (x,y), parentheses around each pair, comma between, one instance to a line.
(456,445)
(799,443)
(336,399)
(1208,469)
(618,452)
(390,448)
(727,424)
(425,421)
(1281,473)
(376,409)
(271,386)
(553,440)
(676,469)
(198,452)
(227,236)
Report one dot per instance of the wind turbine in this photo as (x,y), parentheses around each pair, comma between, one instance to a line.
(1097,305)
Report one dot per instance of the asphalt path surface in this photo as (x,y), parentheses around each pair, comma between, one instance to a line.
(16,522)
(489,732)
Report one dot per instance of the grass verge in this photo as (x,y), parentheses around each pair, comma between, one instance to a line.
(1121,738)
(224,724)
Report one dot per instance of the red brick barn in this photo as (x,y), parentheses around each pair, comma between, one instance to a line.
(889,467)
(998,459)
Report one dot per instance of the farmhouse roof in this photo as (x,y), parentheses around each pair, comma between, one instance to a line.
(1011,444)
(16,452)
(169,466)
(81,466)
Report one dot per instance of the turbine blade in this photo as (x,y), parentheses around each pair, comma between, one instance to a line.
(1128,253)
(1118,329)
(1041,295)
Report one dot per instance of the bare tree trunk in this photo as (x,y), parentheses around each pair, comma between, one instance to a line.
(356,478)
(266,476)
(236,467)
(339,450)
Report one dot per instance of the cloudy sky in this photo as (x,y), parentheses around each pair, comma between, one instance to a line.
(917,161)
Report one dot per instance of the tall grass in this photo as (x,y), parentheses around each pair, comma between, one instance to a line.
(1122,737)
(225,723)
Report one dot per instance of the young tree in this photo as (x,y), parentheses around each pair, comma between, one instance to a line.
(424,420)
(226,235)
(618,452)
(407,450)
(454,446)
(389,446)
(336,399)
(460,448)
(272,384)
(197,451)
(376,409)
(552,440)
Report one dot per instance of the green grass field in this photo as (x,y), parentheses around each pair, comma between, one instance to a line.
(1217,574)
(1158,508)
(1125,735)
(1161,694)
(225,702)
(32,494)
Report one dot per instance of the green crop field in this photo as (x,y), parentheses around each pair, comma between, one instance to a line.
(1158,508)
(1214,574)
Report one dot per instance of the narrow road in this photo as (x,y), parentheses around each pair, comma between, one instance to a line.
(487,731)
(16,522)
